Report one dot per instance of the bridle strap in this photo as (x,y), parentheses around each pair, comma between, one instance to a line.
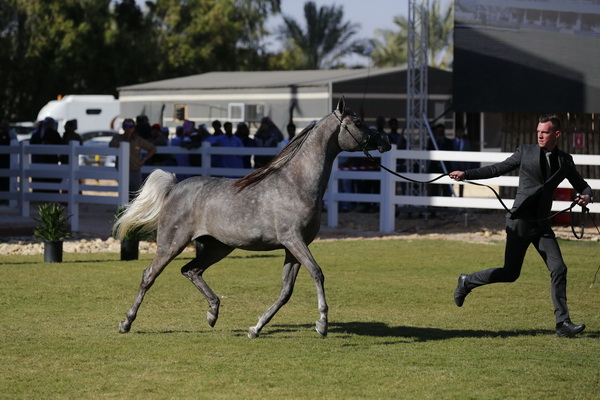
(406,178)
(363,145)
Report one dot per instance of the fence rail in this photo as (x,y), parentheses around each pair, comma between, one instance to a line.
(75,184)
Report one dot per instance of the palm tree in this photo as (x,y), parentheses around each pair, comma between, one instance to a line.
(392,49)
(326,39)
(441,29)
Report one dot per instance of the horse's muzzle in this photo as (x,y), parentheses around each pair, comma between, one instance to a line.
(383,142)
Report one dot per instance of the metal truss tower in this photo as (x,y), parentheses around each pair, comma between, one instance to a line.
(416,96)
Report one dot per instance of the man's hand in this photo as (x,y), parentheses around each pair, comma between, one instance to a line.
(583,200)
(457,175)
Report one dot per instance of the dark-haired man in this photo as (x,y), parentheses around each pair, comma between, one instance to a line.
(541,168)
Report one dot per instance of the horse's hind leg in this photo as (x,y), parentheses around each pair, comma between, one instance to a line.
(211,253)
(288,278)
(161,260)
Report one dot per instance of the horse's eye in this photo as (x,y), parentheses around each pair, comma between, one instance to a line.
(358,124)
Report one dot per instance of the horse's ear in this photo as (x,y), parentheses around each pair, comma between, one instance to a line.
(341,106)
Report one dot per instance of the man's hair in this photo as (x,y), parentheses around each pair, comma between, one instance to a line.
(128,121)
(551,118)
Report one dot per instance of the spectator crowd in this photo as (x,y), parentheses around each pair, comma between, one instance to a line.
(145,140)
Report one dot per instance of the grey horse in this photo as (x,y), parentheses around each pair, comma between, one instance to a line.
(275,207)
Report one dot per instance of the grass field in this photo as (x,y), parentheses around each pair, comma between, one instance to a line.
(395,332)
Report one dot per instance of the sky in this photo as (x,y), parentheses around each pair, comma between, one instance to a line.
(379,16)
(370,14)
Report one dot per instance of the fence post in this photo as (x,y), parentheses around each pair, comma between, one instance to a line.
(13,182)
(24,179)
(123,172)
(387,208)
(73,185)
(332,191)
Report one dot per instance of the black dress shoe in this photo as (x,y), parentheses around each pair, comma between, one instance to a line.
(568,329)
(461,290)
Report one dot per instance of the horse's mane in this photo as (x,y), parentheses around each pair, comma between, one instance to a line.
(277,162)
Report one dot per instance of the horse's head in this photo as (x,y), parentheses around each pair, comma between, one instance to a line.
(355,135)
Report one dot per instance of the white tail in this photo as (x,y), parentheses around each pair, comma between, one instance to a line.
(145,209)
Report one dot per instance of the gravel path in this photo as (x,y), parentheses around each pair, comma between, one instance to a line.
(485,227)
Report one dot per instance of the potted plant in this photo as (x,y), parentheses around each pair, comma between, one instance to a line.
(131,242)
(52,229)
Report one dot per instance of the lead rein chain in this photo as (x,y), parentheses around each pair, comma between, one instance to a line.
(584,209)
(570,208)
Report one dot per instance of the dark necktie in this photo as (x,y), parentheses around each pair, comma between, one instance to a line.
(551,164)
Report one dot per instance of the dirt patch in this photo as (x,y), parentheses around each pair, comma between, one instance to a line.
(476,227)
(483,226)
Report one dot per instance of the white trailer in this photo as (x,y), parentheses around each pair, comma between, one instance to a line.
(92,112)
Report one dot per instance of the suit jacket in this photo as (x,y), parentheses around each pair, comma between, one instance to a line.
(535,193)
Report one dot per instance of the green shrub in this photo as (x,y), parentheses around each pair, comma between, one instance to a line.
(52,223)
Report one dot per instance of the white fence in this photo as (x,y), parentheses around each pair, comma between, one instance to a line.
(67,183)
(388,199)
(76,184)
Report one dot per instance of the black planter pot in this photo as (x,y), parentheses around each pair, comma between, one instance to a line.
(53,252)
(130,250)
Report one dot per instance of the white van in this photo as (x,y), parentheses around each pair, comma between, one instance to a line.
(92,112)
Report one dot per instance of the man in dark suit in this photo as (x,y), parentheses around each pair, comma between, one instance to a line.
(541,168)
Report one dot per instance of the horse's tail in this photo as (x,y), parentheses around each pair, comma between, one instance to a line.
(143,212)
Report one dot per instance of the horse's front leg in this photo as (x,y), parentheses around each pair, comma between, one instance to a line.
(302,253)
(288,279)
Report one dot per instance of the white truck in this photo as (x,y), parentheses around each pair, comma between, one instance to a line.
(92,112)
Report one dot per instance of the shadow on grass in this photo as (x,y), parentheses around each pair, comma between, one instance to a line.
(58,264)
(418,334)
(166,332)
(106,260)
(186,256)
(381,330)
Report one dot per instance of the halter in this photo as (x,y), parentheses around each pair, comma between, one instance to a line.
(362,144)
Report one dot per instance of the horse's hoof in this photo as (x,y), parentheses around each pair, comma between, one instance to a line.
(124,327)
(211,318)
(252,333)
(321,327)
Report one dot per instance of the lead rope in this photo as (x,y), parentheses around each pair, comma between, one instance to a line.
(584,210)
(570,208)
(595,276)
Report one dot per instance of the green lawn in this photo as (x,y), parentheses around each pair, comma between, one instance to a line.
(394,329)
